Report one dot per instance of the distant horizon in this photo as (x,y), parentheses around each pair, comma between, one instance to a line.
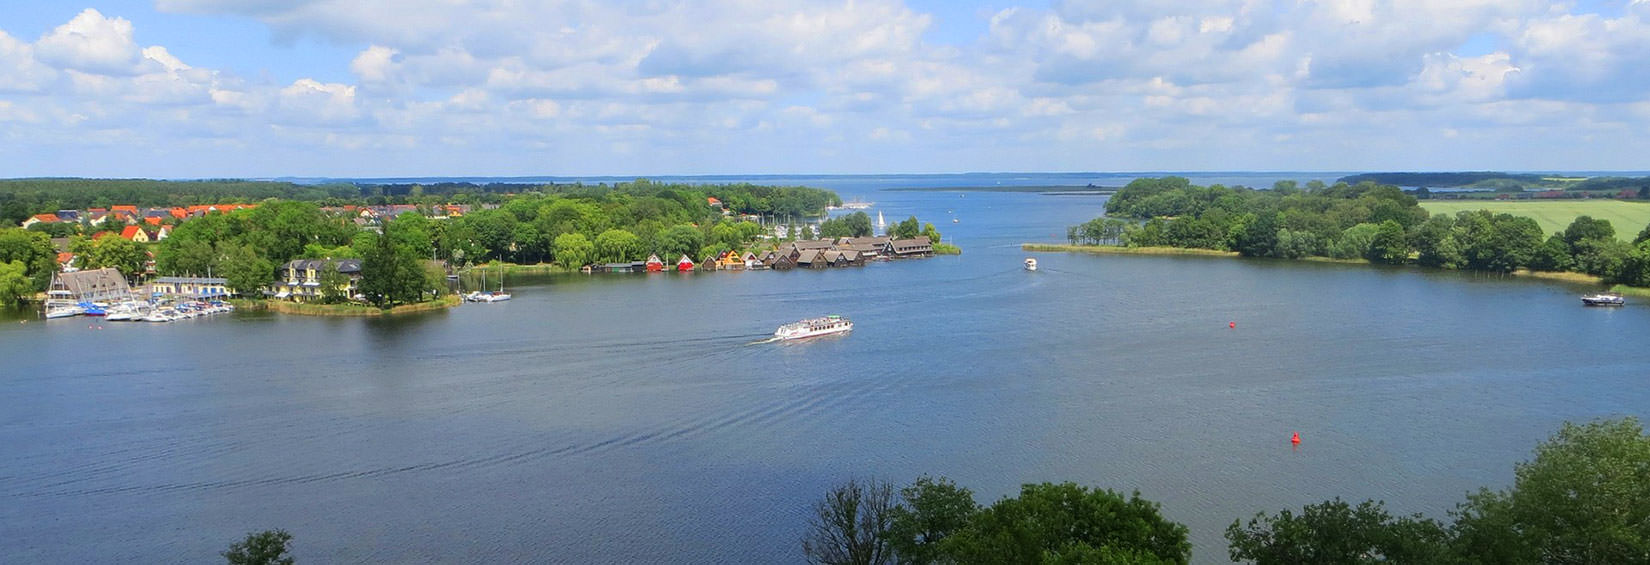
(627,177)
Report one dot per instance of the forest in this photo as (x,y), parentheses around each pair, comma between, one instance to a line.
(1366,221)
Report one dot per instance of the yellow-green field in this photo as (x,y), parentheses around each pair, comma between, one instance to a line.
(1555,215)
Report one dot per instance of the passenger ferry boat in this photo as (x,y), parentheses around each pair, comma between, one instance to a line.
(814,327)
(1603,300)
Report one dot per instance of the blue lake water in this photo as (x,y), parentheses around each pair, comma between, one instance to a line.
(623,419)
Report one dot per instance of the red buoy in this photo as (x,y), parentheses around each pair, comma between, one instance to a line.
(1295,439)
(1232,325)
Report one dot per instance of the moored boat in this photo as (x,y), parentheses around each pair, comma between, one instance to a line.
(1031,263)
(814,327)
(1603,299)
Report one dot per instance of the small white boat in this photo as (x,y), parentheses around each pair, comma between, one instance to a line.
(814,327)
(1031,263)
(1603,299)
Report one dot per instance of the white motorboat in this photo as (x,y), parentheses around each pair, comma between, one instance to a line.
(1603,299)
(1031,263)
(814,327)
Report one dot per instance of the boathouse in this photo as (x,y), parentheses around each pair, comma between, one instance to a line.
(96,285)
(914,247)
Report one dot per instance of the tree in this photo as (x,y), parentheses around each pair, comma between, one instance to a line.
(243,270)
(1259,237)
(268,547)
(573,250)
(1584,498)
(1390,246)
(678,241)
(32,249)
(850,526)
(1336,532)
(933,510)
(191,256)
(15,285)
(392,274)
(932,234)
(119,253)
(907,228)
(1644,234)
(1063,521)
(1585,228)
(617,245)
(1355,242)
(334,284)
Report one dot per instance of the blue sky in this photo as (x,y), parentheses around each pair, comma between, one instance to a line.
(257,88)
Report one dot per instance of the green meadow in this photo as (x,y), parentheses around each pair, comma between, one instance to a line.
(1555,215)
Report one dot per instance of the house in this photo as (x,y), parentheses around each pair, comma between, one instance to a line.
(684,264)
(654,265)
(752,261)
(97,285)
(842,258)
(816,244)
(40,219)
(163,233)
(151,220)
(65,262)
(190,287)
(299,280)
(179,213)
(914,247)
(68,215)
(135,233)
(713,202)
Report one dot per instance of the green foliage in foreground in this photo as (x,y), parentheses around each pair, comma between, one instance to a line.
(937,522)
(260,548)
(1584,498)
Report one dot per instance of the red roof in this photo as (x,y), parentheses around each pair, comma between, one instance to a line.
(130,232)
(46,217)
(152,220)
(713,201)
(124,208)
(179,213)
(64,258)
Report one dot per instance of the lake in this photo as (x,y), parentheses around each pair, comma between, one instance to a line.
(637,418)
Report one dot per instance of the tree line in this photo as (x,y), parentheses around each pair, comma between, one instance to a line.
(1379,223)
(1583,498)
(572,225)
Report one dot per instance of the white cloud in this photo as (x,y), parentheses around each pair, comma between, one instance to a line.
(91,43)
(707,83)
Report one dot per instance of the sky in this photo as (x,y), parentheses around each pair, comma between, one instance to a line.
(376,88)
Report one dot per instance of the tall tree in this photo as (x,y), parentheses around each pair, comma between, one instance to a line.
(268,547)
(850,526)
(933,510)
(573,250)
(1337,532)
(243,270)
(15,286)
(1584,498)
(1063,521)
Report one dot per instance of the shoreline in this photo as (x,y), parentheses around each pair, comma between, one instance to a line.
(1564,276)
(344,310)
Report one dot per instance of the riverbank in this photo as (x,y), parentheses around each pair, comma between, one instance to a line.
(1565,276)
(513,268)
(345,310)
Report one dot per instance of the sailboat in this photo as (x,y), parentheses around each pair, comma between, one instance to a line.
(487,295)
(882,225)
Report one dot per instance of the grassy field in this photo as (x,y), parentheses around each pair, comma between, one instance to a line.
(1555,215)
